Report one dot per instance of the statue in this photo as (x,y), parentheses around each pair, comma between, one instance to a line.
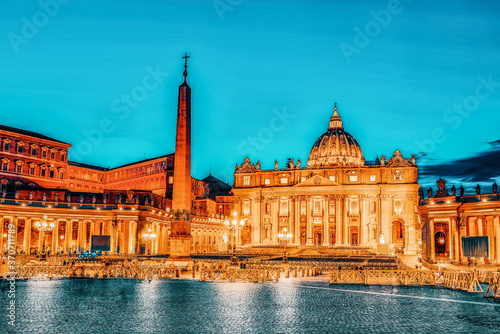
(412,159)
(429,192)
(478,190)
(257,165)
(462,190)
(93,199)
(44,197)
(4,193)
(382,160)
(236,168)
(291,164)
(81,198)
(146,200)
(441,188)
(298,163)
(275,164)
(68,199)
(31,195)
(421,192)
(57,197)
(495,188)
(453,190)
(16,195)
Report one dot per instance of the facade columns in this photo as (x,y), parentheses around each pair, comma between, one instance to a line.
(496,222)
(326,221)
(451,243)
(2,239)
(479,225)
(456,235)
(432,241)
(345,208)
(363,218)
(338,226)
(309,240)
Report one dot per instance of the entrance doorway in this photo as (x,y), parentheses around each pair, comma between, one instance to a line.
(318,235)
(398,239)
(353,233)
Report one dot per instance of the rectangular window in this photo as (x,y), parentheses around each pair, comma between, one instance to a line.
(33,151)
(61,175)
(372,178)
(170,179)
(51,174)
(284,180)
(62,156)
(52,155)
(353,178)
(19,168)
(6,147)
(20,149)
(42,172)
(332,178)
(267,181)
(302,179)
(5,166)
(32,170)
(246,180)
(44,154)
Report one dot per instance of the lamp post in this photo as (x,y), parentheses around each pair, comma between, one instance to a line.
(233,227)
(44,227)
(284,238)
(149,236)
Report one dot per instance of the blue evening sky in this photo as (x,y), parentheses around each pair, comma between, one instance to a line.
(419,76)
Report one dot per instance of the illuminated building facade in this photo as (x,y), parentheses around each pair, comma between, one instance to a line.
(447,217)
(336,200)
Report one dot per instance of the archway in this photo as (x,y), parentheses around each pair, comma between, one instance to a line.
(398,236)
(246,233)
(440,242)
(353,235)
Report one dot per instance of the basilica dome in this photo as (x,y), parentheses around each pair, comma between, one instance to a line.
(335,147)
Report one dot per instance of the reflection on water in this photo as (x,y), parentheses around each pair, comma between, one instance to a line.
(291,306)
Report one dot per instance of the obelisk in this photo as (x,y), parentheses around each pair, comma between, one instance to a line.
(180,236)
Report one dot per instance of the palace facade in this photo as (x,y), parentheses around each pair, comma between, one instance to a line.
(336,200)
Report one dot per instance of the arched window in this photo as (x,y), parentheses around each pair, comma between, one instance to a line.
(303,208)
(284,207)
(246,208)
(332,207)
(398,207)
(317,207)
(354,206)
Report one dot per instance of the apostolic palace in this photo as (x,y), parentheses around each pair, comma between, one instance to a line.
(335,200)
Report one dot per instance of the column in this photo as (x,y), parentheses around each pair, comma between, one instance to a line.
(456,235)
(309,234)
(345,207)
(363,218)
(451,242)
(2,239)
(326,221)
(68,236)
(432,241)
(491,235)
(296,233)
(276,221)
(55,235)
(338,226)
(479,225)
(292,219)
(496,222)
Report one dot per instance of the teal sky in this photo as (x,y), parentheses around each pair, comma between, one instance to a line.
(396,82)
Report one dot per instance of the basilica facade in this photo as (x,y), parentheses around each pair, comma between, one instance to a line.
(337,199)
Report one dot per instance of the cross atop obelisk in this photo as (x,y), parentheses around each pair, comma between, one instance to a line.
(185,65)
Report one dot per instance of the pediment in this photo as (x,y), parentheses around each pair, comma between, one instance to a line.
(316,180)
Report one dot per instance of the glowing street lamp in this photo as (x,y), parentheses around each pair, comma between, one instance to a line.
(44,227)
(149,236)
(284,238)
(233,227)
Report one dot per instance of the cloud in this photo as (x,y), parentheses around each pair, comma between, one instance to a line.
(482,168)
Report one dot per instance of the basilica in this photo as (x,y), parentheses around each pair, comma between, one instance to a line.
(337,199)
